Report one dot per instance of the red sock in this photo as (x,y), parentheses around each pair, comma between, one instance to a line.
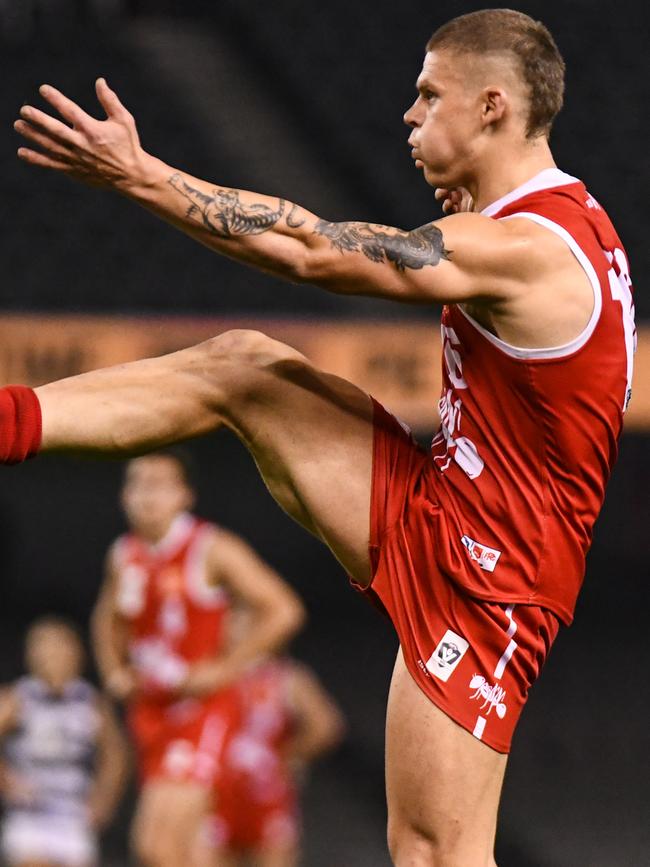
(20,424)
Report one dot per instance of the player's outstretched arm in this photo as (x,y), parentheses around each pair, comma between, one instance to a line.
(466,256)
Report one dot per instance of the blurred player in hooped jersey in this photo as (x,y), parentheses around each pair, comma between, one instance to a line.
(64,759)
(160,627)
(287,720)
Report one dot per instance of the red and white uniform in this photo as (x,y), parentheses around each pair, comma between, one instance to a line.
(175,619)
(502,508)
(257,804)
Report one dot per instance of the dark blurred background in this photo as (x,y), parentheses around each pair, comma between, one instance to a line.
(305,100)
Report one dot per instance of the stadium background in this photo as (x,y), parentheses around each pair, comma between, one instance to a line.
(305,100)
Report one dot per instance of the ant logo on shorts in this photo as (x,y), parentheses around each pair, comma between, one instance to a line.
(445,658)
(493,696)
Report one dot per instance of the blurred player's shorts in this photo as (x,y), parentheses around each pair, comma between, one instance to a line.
(63,840)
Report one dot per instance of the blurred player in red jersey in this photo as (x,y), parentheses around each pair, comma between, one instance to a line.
(286,721)
(64,760)
(160,627)
(476,549)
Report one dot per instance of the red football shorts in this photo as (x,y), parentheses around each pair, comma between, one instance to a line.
(475,660)
(20,424)
(254,817)
(184,740)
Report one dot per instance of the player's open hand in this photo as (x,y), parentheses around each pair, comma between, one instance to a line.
(102,153)
(454,201)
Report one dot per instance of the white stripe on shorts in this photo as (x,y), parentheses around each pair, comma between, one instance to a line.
(512,646)
(479,728)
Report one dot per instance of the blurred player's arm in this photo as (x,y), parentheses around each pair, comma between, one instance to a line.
(111,770)
(12,787)
(109,637)
(9,708)
(319,724)
(463,257)
(276,611)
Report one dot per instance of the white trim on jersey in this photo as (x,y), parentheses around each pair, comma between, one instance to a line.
(579,341)
(544,180)
(175,537)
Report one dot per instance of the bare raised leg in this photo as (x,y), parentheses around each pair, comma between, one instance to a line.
(443,785)
(309,432)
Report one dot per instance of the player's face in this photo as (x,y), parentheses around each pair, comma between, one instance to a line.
(54,655)
(445,120)
(154,493)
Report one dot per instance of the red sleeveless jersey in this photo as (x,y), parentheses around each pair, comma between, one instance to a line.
(175,617)
(528,437)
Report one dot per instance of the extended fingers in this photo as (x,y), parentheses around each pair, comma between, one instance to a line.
(37,159)
(49,125)
(110,100)
(47,142)
(66,107)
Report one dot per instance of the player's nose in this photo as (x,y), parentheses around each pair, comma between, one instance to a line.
(411,116)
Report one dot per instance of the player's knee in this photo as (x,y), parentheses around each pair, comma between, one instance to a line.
(448,847)
(249,347)
(236,358)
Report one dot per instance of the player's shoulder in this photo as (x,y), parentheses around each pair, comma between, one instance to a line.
(513,249)
(118,549)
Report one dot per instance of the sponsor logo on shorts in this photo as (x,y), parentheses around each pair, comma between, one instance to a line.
(487,558)
(492,695)
(445,658)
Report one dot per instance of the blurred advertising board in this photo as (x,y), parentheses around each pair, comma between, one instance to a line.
(399,363)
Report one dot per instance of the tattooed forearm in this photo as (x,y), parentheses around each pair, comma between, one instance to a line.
(224,214)
(415,249)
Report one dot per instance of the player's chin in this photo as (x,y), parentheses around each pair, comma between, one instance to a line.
(436,178)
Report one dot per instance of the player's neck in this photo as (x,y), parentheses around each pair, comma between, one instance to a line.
(152,533)
(56,686)
(505,169)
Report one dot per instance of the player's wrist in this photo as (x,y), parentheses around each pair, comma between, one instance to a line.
(143,177)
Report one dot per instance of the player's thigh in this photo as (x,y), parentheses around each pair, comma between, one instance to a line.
(311,435)
(168,814)
(443,785)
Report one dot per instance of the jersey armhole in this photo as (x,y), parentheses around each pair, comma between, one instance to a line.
(578,342)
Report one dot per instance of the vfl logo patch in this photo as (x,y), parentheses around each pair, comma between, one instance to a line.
(445,658)
(493,696)
(487,558)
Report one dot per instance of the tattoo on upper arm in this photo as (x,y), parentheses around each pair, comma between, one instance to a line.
(224,214)
(414,249)
(292,221)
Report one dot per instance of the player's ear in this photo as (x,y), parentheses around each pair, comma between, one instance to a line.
(494,101)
